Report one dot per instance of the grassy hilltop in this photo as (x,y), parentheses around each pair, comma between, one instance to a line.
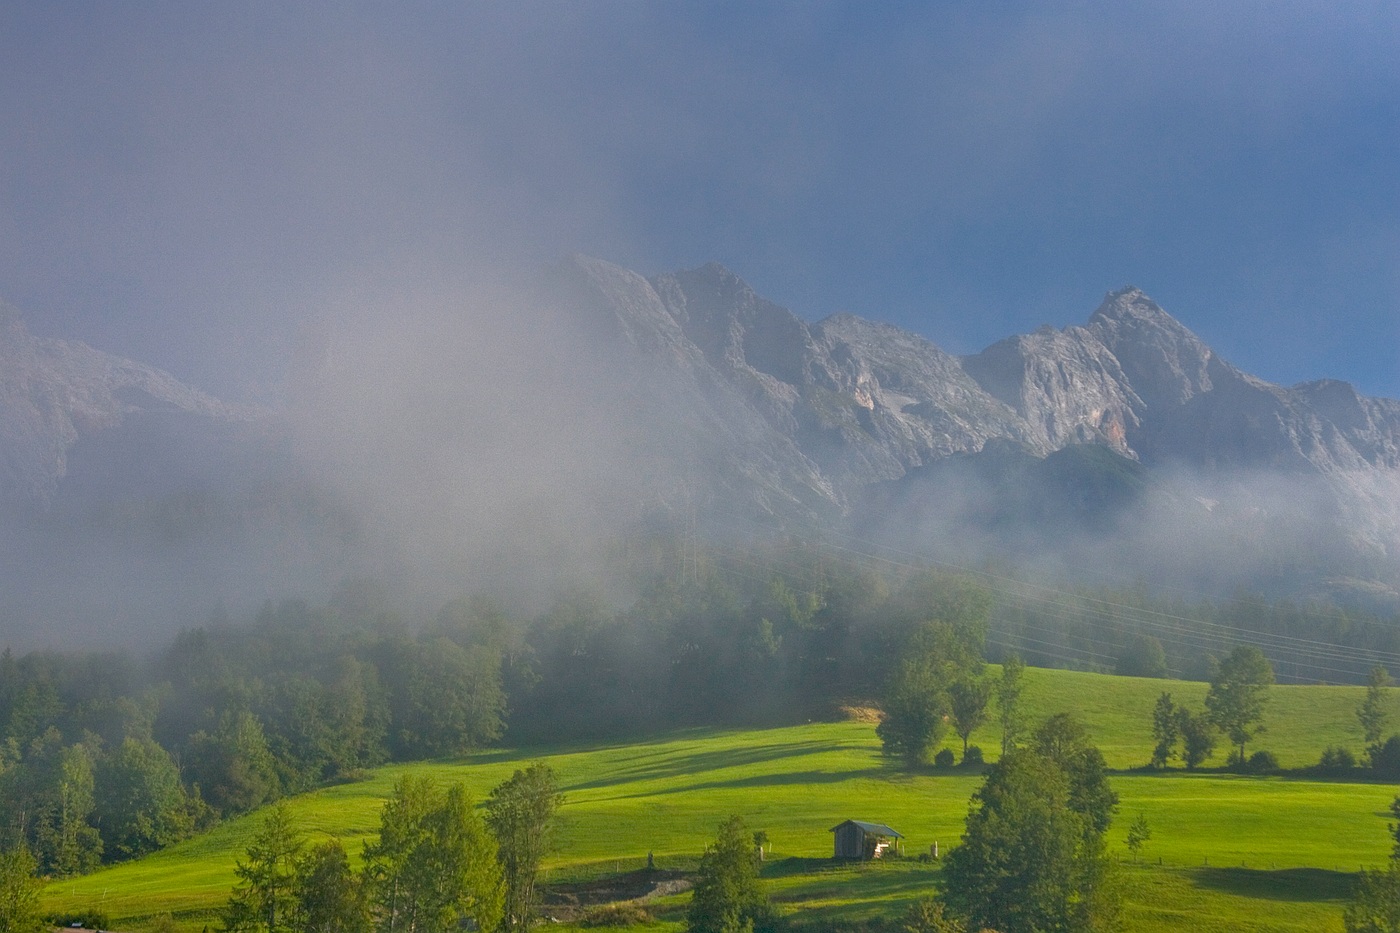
(1228,852)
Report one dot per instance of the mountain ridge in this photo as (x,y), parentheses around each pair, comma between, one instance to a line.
(1124,443)
(865,403)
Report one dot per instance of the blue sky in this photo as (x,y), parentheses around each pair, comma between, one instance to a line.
(186,182)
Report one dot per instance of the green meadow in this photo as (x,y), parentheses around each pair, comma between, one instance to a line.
(1228,852)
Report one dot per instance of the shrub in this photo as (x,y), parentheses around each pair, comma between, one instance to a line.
(621,914)
(87,918)
(944,758)
(1262,762)
(1336,758)
(846,925)
(1385,758)
(972,758)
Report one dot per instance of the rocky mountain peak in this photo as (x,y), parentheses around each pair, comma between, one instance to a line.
(736,329)
(1066,384)
(53,392)
(1129,302)
(1165,362)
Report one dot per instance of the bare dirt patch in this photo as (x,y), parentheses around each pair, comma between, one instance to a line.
(871,715)
(569,901)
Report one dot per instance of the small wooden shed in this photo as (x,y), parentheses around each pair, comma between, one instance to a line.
(861,840)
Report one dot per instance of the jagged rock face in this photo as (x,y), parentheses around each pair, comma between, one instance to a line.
(847,403)
(859,402)
(862,402)
(718,403)
(53,392)
(1066,386)
(1165,363)
(703,424)
(919,404)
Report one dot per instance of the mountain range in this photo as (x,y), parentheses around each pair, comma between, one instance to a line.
(1125,446)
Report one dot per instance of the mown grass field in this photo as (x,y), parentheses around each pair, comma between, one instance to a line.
(1228,852)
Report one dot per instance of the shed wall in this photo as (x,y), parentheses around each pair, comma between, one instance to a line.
(850,841)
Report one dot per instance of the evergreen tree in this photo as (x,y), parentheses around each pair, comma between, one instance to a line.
(402,830)
(329,896)
(264,900)
(729,896)
(48,797)
(1032,858)
(1062,739)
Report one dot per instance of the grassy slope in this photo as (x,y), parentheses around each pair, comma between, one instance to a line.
(668,794)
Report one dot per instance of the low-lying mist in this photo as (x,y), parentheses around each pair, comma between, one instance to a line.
(521,436)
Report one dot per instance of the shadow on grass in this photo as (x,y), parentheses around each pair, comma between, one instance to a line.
(679,765)
(1308,775)
(765,780)
(831,894)
(794,865)
(471,758)
(1284,884)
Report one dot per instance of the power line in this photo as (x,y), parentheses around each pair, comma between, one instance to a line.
(1076,607)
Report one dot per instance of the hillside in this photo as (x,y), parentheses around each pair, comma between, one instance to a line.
(667,794)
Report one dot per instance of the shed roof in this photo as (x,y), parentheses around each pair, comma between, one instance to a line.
(874,829)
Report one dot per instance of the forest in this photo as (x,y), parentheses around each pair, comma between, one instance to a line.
(108,756)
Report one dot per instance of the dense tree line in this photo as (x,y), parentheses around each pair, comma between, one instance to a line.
(108,756)
(105,757)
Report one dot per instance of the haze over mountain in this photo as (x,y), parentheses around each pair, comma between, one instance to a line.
(448,448)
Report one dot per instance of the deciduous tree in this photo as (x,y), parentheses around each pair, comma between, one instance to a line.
(520,812)
(233,767)
(1138,835)
(968,696)
(19,893)
(1009,689)
(915,707)
(1166,730)
(1237,694)
(927,915)
(434,865)
(1375,904)
(1030,861)
(141,804)
(1374,709)
(1197,738)
(1143,657)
